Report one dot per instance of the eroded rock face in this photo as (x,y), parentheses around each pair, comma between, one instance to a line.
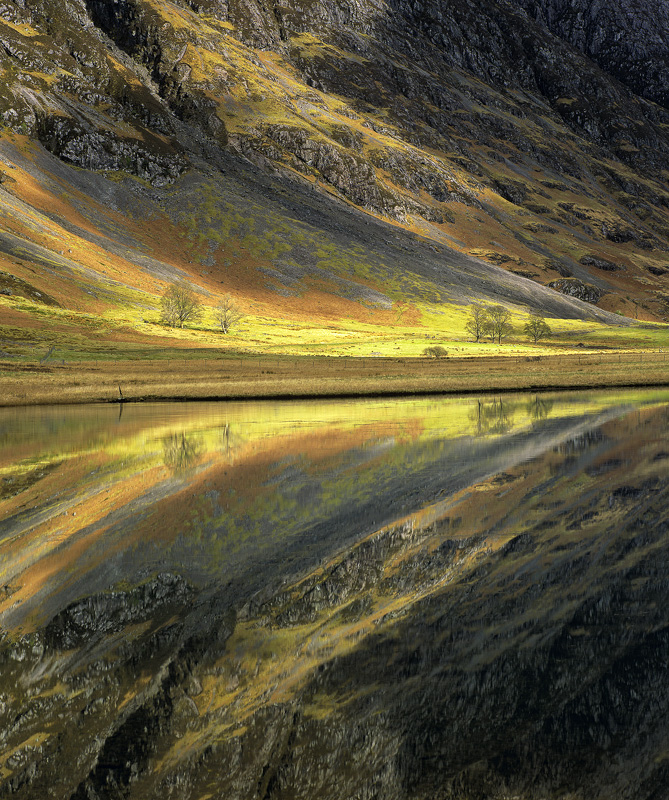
(107,613)
(627,38)
(573,287)
(423,113)
(80,103)
(79,142)
(399,55)
(600,263)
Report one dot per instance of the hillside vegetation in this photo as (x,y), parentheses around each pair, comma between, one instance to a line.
(352,176)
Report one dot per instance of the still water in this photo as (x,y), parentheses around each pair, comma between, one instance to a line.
(385,598)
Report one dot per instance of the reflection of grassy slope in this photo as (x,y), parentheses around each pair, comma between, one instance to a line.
(243,481)
(237,431)
(390,631)
(47,435)
(351,615)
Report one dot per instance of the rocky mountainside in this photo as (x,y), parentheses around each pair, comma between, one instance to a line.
(628,39)
(491,627)
(522,134)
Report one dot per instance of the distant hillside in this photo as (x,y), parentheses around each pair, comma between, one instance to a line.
(356,160)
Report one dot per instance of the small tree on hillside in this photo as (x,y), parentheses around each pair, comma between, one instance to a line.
(497,322)
(228,314)
(179,304)
(536,328)
(476,323)
(435,351)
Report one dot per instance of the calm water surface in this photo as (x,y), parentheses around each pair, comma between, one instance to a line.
(93,495)
(419,588)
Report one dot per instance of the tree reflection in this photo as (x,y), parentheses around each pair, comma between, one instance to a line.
(180,452)
(230,440)
(539,407)
(493,416)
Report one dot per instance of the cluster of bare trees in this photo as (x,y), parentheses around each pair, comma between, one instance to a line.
(180,304)
(495,321)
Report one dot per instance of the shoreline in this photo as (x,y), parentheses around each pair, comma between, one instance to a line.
(306,378)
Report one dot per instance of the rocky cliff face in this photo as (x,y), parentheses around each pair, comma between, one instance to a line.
(626,38)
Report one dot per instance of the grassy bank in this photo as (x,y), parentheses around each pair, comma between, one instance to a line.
(266,376)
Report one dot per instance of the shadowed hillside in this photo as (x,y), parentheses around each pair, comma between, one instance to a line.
(372,162)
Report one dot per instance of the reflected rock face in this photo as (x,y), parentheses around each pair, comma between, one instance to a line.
(507,637)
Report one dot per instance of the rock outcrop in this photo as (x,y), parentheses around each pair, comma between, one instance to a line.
(626,38)
(573,287)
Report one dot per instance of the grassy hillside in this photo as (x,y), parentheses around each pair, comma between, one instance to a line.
(344,205)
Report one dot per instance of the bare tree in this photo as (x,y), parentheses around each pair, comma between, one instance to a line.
(498,322)
(536,328)
(228,313)
(475,325)
(179,304)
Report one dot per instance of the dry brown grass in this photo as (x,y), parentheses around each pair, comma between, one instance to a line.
(272,376)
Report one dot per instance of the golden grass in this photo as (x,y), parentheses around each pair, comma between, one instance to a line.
(266,376)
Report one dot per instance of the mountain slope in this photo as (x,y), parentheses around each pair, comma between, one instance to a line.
(276,146)
(626,38)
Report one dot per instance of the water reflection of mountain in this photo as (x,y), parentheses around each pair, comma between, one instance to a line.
(502,634)
(221,493)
